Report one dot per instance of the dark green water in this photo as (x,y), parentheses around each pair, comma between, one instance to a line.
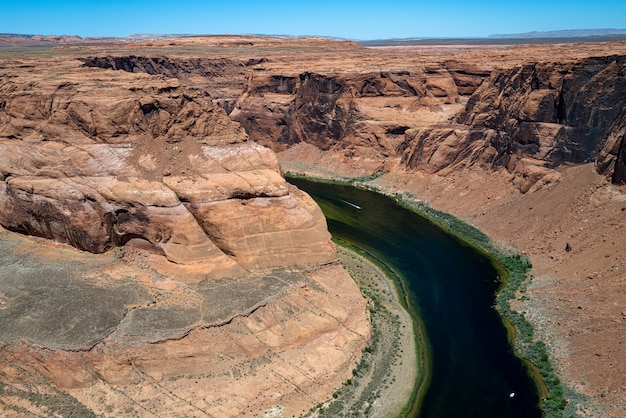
(474,370)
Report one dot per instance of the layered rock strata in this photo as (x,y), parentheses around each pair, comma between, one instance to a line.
(359,113)
(98,335)
(528,118)
(207,285)
(98,159)
(532,119)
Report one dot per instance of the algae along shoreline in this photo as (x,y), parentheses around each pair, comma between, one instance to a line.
(383,383)
(527,386)
(396,291)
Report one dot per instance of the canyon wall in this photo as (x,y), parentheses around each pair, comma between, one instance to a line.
(439,115)
(531,120)
(360,113)
(199,266)
(324,109)
(107,159)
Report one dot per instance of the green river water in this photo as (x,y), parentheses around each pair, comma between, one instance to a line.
(474,372)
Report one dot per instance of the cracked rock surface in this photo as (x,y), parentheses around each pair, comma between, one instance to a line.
(99,159)
(153,260)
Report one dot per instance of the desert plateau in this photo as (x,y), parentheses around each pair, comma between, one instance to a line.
(155,261)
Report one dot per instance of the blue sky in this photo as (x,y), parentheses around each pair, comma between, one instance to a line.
(363,19)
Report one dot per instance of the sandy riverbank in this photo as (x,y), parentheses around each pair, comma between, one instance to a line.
(383,382)
(575,298)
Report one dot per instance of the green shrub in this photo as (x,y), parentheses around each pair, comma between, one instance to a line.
(515,274)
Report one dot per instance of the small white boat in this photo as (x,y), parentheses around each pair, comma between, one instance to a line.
(512,395)
(351,204)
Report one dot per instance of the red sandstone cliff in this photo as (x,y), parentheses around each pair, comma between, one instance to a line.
(498,136)
(532,119)
(99,159)
(222,276)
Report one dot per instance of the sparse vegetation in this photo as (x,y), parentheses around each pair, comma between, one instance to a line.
(514,276)
(374,374)
(118,252)
(55,403)
(514,271)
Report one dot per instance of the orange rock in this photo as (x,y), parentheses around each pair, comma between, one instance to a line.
(99,158)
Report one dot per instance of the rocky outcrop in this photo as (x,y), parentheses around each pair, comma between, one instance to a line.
(532,119)
(330,110)
(443,149)
(103,159)
(222,296)
(124,337)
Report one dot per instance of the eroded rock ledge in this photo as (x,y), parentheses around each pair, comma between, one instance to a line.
(99,159)
(123,338)
(207,285)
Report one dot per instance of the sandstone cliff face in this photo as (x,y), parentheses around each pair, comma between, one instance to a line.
(532,119)
(329,111)
(528,118)
(226,298)
(353,111)
(611,159)
(99,159)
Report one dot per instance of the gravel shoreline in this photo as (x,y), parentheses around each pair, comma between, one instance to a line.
(383,382)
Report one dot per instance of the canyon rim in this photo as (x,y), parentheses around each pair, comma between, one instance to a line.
(160,158)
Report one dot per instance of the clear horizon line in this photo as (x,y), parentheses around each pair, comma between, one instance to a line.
(538,34)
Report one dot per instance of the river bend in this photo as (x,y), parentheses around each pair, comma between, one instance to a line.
(474,372)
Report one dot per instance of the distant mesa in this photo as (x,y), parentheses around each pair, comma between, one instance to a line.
(535,37)
(571,33)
